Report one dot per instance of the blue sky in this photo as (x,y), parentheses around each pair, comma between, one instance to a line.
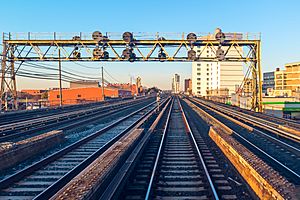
(278,22)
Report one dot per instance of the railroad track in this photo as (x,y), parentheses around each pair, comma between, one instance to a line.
(289,135)
(179,164)
(25,129)
(288,122)
(282,126)
(282,156)
(44,178)
(17,116)
(175,164)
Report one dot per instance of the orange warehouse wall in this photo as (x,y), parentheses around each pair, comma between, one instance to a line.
(79,95)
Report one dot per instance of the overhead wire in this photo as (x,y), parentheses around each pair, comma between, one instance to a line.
(69,76)
(111,76)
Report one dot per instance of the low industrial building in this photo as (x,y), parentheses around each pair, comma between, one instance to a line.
(285,107)
(84,84)
(84,95)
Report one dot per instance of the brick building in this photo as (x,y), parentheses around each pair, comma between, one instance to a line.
(84,95)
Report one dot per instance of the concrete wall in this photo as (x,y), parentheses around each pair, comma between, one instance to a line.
(24,149)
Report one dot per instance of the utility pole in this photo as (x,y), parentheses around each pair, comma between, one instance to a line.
(131,84)
(103,96)
(59,74)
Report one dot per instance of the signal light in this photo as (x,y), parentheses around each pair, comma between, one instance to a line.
(97,53)
(220,54)
(192,55)
(128,54)
(127,37)
(132,57)
(162,56)
(219,35)
(105,55)
(191,37)
(97,35)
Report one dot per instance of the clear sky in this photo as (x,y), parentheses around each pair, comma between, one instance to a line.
(278,22)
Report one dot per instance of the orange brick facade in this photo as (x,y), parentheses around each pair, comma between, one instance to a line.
(83,95)
(125,86)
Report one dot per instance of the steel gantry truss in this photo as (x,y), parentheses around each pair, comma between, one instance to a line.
(132,47)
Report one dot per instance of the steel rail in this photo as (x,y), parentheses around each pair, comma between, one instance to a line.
(249,115)
(126,169)
(259,131)
(79,121)
(71,174)
(159,153)
(272,128)
(266,154)
(36,166)
(21,115)
(293,123)
(212,187)
(215,194)
(253,117)
(277,140)
(93,116)
(15,125)
(269,156)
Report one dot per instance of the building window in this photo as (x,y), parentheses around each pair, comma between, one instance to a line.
(199,92)
(198,83)
(207,51)
(207,65)
(207,79)
(198,79)
(198,74)
(207,88)
(79,95)
(198,69)
(57,96)
(198,88)
(198,64)
(207,74)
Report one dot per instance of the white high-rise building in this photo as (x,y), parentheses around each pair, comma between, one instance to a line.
(216,75)
(176,84)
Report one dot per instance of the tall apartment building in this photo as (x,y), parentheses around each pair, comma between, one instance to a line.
(176,84)
(288,81)
(207,76)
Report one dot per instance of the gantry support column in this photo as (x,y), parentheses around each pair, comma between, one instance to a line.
(259,72)
(3,70)
(8,78)
(13,83)
(256,79)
